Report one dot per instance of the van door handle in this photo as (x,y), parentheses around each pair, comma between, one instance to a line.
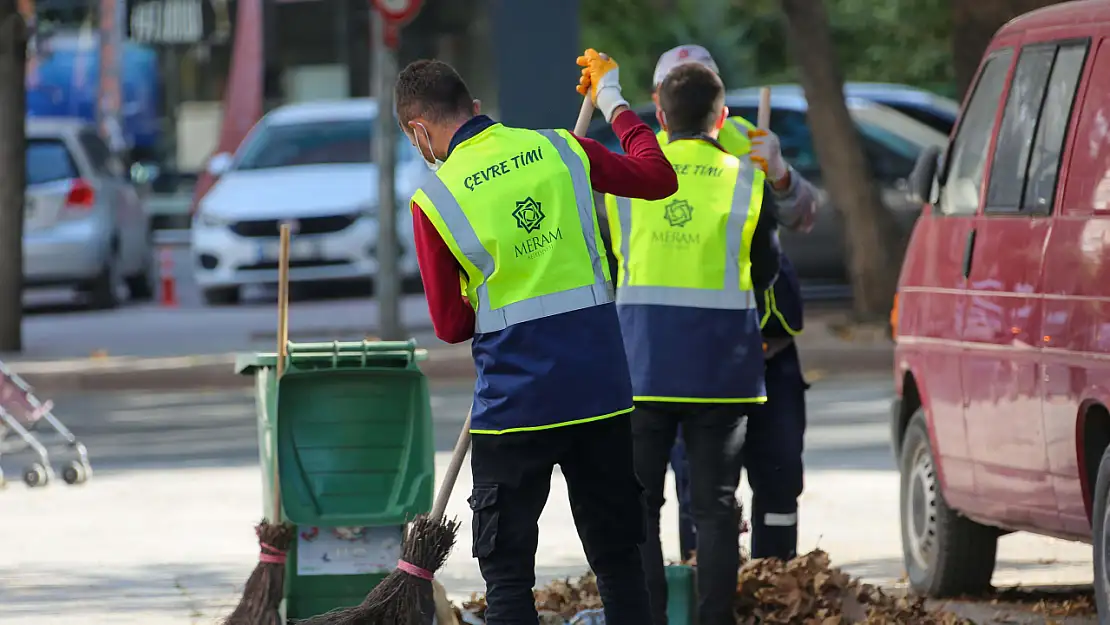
(969,250)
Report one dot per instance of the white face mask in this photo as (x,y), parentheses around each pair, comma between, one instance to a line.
(432,165)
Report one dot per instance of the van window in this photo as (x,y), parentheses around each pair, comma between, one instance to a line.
(1027,156)
(1044,163)
(968,151)
(1019,122)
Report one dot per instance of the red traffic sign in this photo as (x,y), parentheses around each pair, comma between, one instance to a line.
(397,11)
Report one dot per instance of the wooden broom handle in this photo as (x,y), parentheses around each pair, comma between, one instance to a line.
(763,116)
(584,115)
(283,299)
(282,346)
(457,457)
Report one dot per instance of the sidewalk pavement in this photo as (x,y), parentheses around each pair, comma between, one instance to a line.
(143,359)
(180,553)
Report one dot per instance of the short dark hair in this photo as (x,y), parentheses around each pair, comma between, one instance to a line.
(691,97)
(431,89)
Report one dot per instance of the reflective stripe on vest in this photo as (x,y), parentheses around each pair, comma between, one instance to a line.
(492,320)
(772,308)
(730,296)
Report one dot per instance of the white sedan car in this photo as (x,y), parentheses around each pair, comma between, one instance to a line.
(308,165)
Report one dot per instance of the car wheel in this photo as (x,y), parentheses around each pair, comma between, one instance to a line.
(1101,536)
(946,554)
(103,293)
(222,296)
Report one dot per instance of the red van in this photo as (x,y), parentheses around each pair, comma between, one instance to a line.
(1002,322)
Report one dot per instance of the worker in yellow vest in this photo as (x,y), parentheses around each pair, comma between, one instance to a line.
(689,267)
(776,429)
(511,211)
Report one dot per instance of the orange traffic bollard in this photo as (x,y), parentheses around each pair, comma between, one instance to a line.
(169,285)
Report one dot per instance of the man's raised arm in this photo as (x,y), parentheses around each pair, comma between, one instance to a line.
(643,172)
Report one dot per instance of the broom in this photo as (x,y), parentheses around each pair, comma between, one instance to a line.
(406,596)
(263,593)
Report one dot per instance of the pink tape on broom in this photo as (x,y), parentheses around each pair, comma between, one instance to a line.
(271,555)
(415,571)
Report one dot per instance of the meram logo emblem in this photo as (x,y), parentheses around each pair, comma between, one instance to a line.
(678,213)
(528,215)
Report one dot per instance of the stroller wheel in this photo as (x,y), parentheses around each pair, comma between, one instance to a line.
(36,475)
(75,472)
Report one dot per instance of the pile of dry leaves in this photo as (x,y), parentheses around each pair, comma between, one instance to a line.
(803,591)
(807,590)
(557,602)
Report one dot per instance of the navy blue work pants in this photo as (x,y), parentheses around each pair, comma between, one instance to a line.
(714,434)
(773,458)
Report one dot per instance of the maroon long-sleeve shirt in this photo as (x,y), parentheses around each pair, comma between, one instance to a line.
(643,172)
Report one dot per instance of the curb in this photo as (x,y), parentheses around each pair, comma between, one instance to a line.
(215,372)
(443,364)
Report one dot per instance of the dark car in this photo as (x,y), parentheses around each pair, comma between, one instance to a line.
(931,109)
(892,142)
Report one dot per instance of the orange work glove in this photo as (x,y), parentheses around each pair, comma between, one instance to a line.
(601,80)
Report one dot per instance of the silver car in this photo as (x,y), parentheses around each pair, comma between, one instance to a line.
(84,224)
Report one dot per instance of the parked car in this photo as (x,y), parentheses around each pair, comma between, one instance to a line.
(891,141)
(931,109)
(308,164)
(1001,421)
(84,224)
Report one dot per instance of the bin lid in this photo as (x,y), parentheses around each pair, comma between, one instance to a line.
(336,354)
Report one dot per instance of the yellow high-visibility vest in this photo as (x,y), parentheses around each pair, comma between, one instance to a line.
(515,207)
(691,251)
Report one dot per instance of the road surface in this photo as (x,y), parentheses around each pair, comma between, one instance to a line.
(162,535)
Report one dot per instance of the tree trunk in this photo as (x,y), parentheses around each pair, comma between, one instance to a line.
(872,240)
(974,24)
(13,59)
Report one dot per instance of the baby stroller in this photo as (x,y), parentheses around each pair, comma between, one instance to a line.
(21,418)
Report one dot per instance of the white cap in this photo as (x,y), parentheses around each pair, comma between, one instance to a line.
(677,56)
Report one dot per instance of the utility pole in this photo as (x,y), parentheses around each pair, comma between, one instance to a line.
(13,175)
(387,19)
(388,281)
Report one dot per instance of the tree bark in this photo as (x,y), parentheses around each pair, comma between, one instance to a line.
(873,242)
(13,59)
(974,24)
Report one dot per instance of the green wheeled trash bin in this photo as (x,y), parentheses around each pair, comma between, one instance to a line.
(350,427)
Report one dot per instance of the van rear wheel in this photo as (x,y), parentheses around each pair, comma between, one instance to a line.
(945,553)
(1101,536)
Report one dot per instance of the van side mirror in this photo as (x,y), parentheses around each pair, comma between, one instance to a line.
(924,171)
